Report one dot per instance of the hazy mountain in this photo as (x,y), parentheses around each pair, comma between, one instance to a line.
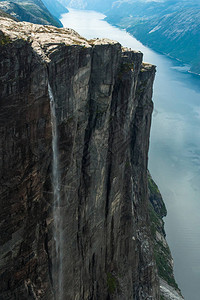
(5,15)
(29,10)
(168,26)
(99,5)
(104,5)
(171,27)
(55,7)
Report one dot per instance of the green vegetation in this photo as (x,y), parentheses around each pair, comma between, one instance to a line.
(156,198)
(4,40)
(169,27)
(5,15)
(165,270)
(162,252)
(152,186)
(112,283)
(32,11)
(155,220)
(55,7)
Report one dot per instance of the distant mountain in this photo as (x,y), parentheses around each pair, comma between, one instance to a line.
(33,11)
(5,15)
(98,5)
(171,27)
(55,7)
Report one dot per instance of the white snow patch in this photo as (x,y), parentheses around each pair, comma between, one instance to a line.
(155,29)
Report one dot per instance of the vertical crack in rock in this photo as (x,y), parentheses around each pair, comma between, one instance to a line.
(49,259)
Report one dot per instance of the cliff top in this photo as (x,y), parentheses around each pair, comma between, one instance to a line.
(40,36)
(45,39)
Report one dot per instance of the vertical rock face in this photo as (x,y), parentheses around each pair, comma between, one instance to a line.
(103,103)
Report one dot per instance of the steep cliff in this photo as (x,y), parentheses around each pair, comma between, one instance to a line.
(164,261)
(101,94)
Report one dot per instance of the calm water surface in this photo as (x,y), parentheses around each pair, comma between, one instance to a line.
(174,158)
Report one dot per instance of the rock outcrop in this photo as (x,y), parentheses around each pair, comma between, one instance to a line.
(102,94)
(168,287)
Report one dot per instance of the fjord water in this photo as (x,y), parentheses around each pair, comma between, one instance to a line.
(174,157)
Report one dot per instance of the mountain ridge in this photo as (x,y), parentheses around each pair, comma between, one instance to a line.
(30,11)
(171,27)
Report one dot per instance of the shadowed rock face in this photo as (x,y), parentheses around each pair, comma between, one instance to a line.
(103,108)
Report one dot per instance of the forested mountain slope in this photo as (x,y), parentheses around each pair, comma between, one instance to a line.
(30,11)
(171,27)
(55,7)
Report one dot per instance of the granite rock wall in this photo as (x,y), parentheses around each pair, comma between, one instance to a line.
(103,108)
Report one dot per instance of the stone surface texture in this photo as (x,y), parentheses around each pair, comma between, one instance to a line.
(103,107)
(169,289)
(168,292)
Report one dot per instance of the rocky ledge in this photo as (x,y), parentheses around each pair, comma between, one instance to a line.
(168,287)
(102,94)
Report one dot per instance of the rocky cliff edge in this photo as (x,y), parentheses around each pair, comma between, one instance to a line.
(102,95)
